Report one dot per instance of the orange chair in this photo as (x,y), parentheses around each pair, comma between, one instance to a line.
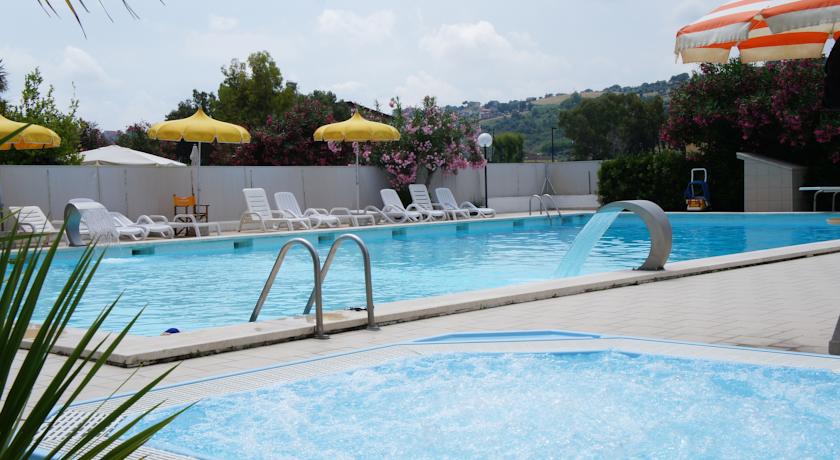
(187,205)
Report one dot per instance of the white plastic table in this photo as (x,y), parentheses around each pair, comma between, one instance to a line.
(822,189)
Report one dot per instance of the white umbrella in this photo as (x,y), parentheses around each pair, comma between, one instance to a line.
(116,155)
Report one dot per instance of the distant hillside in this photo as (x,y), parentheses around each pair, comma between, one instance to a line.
(558,99)
(535,116)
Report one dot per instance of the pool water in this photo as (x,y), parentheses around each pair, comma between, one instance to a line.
(606,404)
(205,284)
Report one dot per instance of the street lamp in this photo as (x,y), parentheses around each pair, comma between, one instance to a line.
(485,140)
(552,143)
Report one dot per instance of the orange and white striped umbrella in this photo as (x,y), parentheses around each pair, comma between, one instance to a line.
(762,30)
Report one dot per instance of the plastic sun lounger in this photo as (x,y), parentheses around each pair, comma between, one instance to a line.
(288,204)
(395,211)
(151,224)
(447,199)
(31,219)
(357,217)
(420,196)
(260,212)
(127,228)
(190,221)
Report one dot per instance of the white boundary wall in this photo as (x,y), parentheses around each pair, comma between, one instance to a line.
(135,190)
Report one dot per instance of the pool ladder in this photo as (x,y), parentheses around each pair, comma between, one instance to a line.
(319,273)
(543,201)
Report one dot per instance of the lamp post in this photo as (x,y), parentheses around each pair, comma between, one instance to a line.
(552,143)
(485,140)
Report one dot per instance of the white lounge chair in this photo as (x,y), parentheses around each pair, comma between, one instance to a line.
(288,204)
(152,224)
(447,200)
(31,219)
(395,212)
(130,231)
(420,196)
(260,212)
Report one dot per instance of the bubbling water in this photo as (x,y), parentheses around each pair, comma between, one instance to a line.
(540,405)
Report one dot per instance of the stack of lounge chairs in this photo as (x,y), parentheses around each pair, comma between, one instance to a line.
(287,213)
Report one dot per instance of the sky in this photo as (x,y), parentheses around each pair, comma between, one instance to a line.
(133,70)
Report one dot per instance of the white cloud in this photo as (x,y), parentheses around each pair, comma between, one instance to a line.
(468,38)
(346,86)
(222,23)
(417,86)
(372,28)
(77,63)
(222,46)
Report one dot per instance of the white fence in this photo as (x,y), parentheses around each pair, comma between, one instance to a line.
(135,190)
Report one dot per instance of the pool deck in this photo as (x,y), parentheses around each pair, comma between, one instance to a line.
(791,305)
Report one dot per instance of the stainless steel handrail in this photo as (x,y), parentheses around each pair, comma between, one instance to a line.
(316,272)
(542,206)
(368,282)
(553,203)
(531,201)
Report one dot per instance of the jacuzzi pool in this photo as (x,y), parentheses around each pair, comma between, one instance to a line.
(514,395)
(216,282)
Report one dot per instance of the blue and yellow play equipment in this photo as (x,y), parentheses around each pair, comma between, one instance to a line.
(697,196)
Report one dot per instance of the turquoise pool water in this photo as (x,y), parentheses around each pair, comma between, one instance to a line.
(214,283)
(536,405)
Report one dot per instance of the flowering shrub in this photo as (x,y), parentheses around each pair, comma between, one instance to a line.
(431,140)
(287,140)
(774,110)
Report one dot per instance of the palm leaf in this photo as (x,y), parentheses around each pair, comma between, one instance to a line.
(26,422)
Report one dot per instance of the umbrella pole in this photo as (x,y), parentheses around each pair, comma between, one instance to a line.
(198,177)
(357,179)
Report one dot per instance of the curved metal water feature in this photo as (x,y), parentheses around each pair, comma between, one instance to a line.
(99,223)
(658,225)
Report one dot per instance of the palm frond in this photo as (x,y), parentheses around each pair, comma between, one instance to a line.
(26,421)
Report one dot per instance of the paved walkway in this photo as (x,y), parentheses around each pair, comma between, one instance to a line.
(790,305)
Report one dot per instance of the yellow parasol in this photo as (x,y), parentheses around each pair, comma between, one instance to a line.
(357,129)
(33,137)
(199,127)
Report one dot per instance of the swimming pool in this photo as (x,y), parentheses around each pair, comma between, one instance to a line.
(531,394)
(216,282)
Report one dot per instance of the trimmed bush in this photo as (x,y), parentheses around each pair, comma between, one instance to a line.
(660,177)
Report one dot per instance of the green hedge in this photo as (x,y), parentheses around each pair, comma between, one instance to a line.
(659,177)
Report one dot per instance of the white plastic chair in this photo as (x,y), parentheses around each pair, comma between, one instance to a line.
(394,210)
(152,224)
(31,219)
(447,200)
(420,197)
(288,204)
(125,227)
(260,212)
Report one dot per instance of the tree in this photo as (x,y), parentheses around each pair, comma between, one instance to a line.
(340,109)
(612,125)
(508,148)
(40,108)
(4,83)
(252,91)
(91,137)
(136,137)
(287,139)
(206,101)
